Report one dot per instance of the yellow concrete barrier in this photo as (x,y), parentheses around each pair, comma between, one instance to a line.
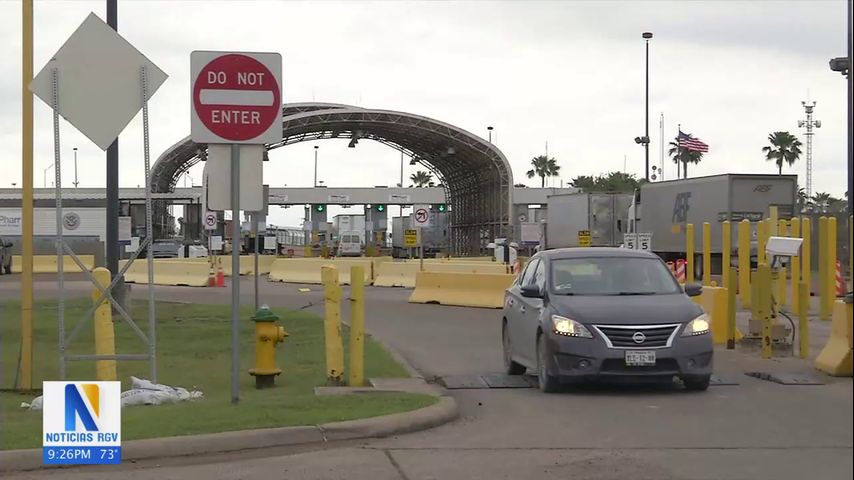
(396,274)
(714,303)
(402,274)
(307,270)
(48,264)
(169,272)
(835,358)
(461,289)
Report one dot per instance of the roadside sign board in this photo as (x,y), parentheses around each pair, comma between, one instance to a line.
(98,85)
(638,241)
(236,97)
(584,238)
(421,216)
(412,237)
(210,221)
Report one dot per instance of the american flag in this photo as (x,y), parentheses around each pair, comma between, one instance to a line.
(688,142)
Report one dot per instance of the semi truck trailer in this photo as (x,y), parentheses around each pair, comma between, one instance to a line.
(665,208)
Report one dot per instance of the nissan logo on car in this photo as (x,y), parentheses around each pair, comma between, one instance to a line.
(639,337)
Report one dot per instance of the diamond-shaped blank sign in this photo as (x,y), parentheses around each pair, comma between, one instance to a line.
(99,83)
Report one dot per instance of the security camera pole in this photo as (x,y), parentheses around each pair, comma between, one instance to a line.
(646,36)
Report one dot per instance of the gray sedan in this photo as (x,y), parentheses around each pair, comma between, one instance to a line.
(579,314)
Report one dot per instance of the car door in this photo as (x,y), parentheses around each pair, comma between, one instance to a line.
(515,309)
(533,308)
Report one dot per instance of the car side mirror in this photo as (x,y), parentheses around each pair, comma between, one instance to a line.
(531,291)
(693,289)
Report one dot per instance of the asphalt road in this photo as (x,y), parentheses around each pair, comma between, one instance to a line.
(754,430)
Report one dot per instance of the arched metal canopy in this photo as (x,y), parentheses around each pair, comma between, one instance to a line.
(475,174)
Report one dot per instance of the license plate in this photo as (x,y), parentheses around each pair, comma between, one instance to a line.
(640,358)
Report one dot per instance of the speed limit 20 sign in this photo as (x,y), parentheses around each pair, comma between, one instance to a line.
(237,97)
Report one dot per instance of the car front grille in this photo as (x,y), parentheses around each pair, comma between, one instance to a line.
(624,336)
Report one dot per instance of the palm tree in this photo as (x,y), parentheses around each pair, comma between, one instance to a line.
(543,167)
(822,201)
(684,156)
(421,178)
(803,201)
(784,147)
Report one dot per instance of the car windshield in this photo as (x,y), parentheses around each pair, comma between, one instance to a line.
(611,276)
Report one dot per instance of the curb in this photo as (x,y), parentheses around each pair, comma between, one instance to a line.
(444,411)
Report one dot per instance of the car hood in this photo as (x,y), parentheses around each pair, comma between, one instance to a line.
(626,310)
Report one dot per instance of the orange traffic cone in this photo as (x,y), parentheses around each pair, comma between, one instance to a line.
(220,276)
(212,274)
(841,288)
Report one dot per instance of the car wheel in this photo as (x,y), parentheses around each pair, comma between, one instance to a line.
(510,367)
(548,383)
(698,384)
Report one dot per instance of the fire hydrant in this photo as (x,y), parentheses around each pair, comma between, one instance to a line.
(267,336)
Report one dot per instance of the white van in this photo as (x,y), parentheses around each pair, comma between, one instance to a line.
(350,245)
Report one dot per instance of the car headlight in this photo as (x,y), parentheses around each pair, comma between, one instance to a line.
(569,327)
(698,326)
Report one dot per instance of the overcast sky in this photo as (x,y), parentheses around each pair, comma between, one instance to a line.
(570,73)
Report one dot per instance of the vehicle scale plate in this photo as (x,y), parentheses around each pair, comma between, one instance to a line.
(640,358)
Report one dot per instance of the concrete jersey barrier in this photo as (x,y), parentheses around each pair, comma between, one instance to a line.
(171,272)
(462,289)
(48,263)
(400,274)
(307,270)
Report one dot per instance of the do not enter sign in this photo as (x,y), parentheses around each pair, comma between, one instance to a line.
(236,97)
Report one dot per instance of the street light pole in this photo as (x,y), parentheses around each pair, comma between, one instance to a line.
(489,129)
(646,36)
(75,168)
(315,165)
(44,175)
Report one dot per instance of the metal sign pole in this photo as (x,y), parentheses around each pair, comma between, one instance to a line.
(235,272)
(59,256)
(255,241)
(149,229)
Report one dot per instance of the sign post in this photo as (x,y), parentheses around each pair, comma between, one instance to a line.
(236,100)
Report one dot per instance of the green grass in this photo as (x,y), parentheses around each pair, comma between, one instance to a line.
(193,345)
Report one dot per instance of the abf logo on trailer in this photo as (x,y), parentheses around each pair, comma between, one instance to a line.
(81,423)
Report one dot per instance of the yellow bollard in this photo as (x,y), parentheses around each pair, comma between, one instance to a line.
(357,326)
(823,293)
(707,254)
(773,216)
(851,252)
(744,262)
(831,264)
(806,257)
(332,326)
(803,322)
(689,253)
(763,307)
(761,240)
(796,268)
(730,312)
(726,251)
(105,336)
(782,298)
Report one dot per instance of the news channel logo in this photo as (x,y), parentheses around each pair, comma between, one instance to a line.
(81,423)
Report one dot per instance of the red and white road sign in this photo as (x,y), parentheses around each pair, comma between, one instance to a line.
(236,97)
(420,216)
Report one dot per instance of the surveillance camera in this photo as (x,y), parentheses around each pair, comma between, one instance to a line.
(818,124)
(783,246)
(839,64)
(638,140)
